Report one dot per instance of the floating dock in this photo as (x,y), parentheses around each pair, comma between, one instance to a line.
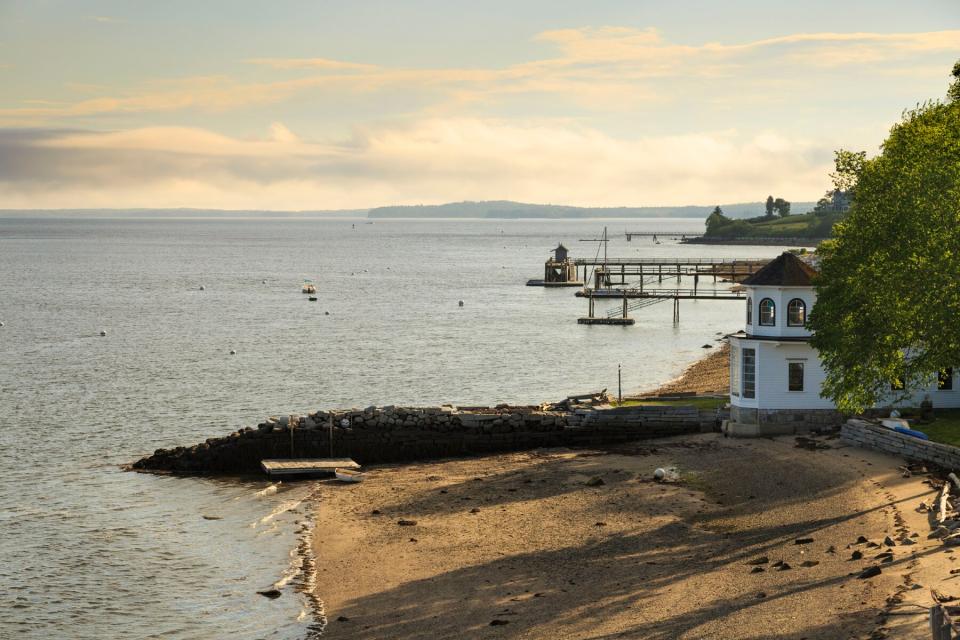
(612,320)
(292,467)
(545,283)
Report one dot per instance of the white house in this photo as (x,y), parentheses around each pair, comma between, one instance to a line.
(775,375)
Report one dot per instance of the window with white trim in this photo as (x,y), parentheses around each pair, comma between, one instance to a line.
(796,313)
(795,376)
(749,373)
(768,313)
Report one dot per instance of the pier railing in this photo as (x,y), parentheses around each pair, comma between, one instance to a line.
(673,261)
(683,294)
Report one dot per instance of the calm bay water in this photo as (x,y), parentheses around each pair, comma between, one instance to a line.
(90,551)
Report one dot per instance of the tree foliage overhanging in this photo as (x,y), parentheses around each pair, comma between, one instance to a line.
(888,297)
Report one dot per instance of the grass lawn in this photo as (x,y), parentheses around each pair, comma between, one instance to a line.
(945,428)
(699,403)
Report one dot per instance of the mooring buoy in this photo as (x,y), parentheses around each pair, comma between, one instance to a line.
(461,303)
(103,333)
(233,352)
(202,288)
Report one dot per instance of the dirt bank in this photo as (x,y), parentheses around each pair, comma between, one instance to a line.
(709,375)
(522,546)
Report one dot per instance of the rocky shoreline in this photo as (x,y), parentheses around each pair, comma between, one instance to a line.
(403,434)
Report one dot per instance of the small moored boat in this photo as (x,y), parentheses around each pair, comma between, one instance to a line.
(308,287)
(348,475)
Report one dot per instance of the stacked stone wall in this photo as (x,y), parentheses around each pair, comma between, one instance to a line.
(400,434)
(871,436)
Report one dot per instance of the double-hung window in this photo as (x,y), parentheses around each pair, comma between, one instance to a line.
(795,376)
(768,313)
(749,373)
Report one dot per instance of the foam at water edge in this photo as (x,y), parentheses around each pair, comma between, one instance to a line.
(305,578)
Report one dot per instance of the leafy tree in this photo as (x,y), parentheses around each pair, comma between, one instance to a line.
(782,207)
(716,221)
(770,204)
(849,165)
(953,93)
(889,288)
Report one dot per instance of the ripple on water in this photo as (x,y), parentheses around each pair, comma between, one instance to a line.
(89,551)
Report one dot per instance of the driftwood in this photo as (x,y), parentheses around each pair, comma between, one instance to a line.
(944,496)
(954,479)
(572,401)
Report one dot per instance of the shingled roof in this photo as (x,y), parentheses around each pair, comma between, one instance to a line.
(787,270)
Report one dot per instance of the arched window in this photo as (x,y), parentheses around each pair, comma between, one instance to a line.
(749,311)
(768,313)
(796,313)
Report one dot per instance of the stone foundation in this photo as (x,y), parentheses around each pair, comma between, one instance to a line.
(399,434)
(751,422)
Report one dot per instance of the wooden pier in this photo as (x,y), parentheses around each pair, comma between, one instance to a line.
(644,298)
(617,270)
(654,235)
(293,467)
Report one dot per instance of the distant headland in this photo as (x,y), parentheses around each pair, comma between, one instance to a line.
(491,209)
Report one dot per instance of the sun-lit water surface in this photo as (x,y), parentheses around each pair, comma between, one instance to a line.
(90,551)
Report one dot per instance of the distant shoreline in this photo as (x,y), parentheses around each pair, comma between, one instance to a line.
(485,210)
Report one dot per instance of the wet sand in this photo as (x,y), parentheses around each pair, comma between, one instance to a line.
(520,546)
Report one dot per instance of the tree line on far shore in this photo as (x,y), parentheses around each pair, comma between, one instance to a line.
(779,223)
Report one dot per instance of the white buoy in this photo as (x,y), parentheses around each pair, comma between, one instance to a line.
(202,288)
(659,474)
(264,282)
(233,352)
(1,324)
(102,332)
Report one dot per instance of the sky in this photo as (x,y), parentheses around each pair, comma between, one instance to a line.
(290,105)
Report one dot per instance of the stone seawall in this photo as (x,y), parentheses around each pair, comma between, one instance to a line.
(401,434)
(865,434)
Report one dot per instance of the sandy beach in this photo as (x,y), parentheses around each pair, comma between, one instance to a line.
(529,545)
(708,375)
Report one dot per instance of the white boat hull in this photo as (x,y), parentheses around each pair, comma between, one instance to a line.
(347,475)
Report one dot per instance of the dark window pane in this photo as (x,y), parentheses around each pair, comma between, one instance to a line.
(945,379)
(768,313)
(734,371)
(795,376)
(749,373)
(749,311)
(796,313)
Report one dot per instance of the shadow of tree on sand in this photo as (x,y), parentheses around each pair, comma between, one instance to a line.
(657,583)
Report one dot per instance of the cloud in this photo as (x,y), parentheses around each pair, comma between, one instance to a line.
(601,68)
(312,63)
(431,160)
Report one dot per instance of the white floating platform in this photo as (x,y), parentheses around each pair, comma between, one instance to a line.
(306,466)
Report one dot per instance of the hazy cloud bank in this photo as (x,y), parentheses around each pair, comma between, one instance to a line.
(428,161)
